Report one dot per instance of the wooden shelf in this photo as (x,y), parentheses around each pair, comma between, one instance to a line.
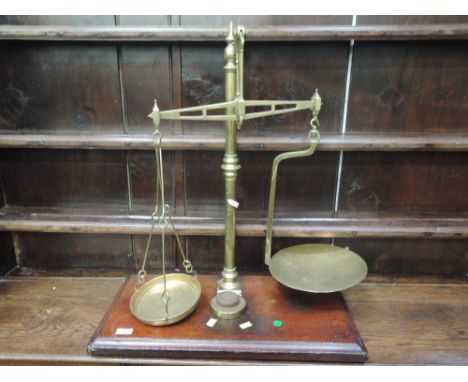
(49,320)
(320,226)
(350,142)
(264,33)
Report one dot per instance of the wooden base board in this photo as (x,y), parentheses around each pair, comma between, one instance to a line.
(314,327)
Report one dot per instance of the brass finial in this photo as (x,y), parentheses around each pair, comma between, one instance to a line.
(317,103)
(154,115)
(230,36)
(229,52)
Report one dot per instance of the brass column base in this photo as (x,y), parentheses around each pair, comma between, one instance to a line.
(227,305)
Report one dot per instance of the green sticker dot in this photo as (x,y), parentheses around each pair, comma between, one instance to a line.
(277,323)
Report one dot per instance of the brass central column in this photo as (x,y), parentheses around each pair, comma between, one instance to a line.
(229,303)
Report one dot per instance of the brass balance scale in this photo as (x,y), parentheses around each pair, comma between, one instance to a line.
(316,268)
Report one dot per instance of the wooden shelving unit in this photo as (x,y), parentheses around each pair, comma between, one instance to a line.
(327,225)
(353,225)
(265,33)
(328,142)
(402,319)
(379,225)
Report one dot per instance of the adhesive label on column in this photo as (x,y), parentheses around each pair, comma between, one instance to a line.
(233,203)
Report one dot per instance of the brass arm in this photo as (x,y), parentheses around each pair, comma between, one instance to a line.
(202,113)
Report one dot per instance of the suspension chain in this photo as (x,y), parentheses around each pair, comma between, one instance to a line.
(161,216)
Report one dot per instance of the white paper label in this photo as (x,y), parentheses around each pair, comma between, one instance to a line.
(245,325)
(233,203)
(124,331)
(211,322)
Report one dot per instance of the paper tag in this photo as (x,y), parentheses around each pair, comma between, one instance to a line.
(245,325)
(211,322)
(233,203)
(124,331)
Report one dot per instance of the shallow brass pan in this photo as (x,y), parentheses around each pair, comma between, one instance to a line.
(148,306)
(318,268)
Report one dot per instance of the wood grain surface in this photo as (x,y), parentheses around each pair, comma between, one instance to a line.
(270,73)
(409,19)
(408,87)
(333,32)
(72,20)
(215,142)
(427,183)
(412,320)
(315,328)
(7,251)
(64,178)
(304,185)
(68,250)
(322,225)
(60,86)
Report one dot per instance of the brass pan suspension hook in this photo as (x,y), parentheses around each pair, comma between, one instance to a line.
(316,107)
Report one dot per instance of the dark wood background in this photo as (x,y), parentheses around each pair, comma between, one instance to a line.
(396,88)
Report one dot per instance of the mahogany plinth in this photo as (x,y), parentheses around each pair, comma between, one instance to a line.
(314,327)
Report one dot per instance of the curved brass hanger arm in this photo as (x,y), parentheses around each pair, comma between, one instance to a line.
(314,137)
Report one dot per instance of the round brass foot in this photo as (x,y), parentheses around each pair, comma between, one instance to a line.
(227,305)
